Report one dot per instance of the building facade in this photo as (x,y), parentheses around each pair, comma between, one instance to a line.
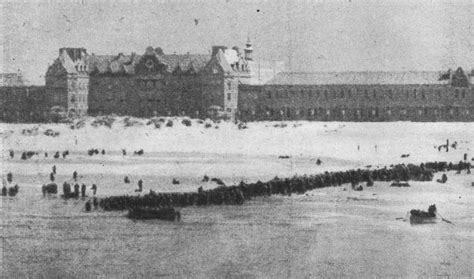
(360,96)
(228,82)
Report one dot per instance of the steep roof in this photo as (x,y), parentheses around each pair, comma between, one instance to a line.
(222,60)
(126,63)
(67,62)
(355,78)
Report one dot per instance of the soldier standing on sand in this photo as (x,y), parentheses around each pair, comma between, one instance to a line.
(74,175)
(51,177)
(94,189)
(140,185)
(54,169)
(83,190)
(95,203)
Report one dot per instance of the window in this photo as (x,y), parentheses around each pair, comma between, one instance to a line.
(228,96)
(229,85)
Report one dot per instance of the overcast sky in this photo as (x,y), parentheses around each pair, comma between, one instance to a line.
(308,35)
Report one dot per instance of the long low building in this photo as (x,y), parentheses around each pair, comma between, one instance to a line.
(230,83)
(360,96)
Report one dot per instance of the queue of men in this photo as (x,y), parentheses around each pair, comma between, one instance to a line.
(297,185)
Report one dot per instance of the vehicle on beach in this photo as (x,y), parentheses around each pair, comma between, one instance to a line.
(169,214)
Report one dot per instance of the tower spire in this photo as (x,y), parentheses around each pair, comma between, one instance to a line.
(248,50)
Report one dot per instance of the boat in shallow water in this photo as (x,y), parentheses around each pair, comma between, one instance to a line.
(169,214)
(422,217)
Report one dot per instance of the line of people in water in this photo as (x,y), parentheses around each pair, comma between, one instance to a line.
(296,185)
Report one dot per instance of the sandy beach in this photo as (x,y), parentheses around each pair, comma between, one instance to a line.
(328,232)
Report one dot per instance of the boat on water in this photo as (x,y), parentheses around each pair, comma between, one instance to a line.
(142,213)
(422,217)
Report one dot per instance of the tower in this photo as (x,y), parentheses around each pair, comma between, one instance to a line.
(67,81)
(248,50)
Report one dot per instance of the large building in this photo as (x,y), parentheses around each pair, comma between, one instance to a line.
(229,82)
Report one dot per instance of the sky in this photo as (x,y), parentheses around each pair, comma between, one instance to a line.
(308,35)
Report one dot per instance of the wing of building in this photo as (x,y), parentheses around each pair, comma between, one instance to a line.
(230,83)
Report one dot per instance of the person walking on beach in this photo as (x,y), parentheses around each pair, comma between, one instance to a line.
(9,177)
(74,175)
(83,190)
(140,185)
(54,169)
(94,189)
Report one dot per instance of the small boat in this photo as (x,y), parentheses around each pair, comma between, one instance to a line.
(422,217)
(399,184)
(169,214)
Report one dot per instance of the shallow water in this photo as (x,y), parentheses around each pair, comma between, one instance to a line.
(327,233)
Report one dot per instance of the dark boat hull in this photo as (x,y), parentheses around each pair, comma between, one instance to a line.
(169,214)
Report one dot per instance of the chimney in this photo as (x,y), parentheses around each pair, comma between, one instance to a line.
(215,49)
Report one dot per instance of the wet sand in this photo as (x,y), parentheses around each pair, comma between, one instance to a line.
(327,232)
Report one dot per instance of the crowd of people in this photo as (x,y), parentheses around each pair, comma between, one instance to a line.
(25,155)
(295,185)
